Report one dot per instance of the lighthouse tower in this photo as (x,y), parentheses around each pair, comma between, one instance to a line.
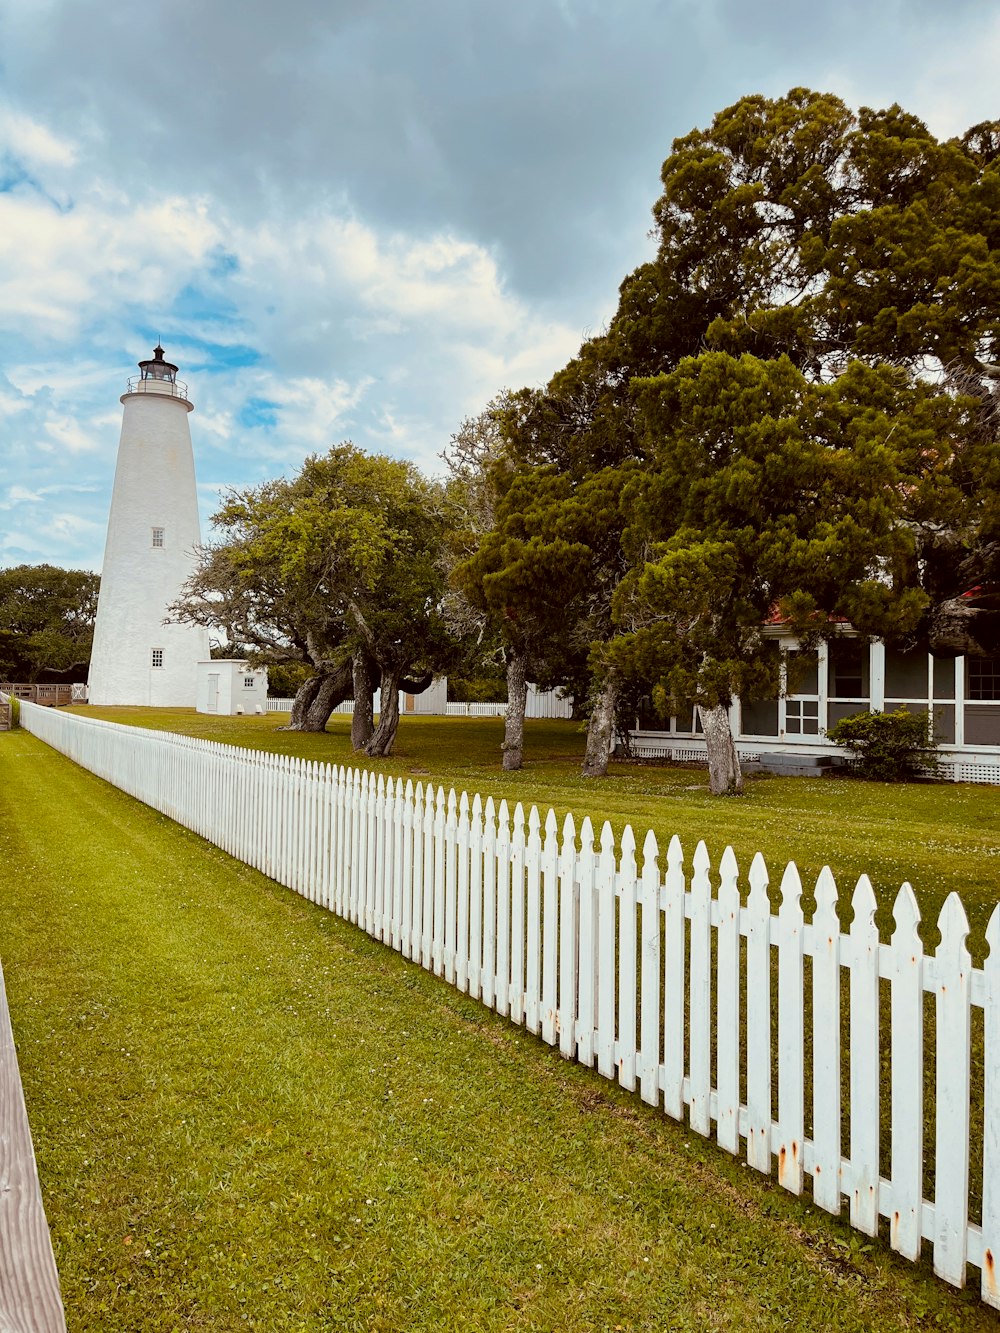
(150,551)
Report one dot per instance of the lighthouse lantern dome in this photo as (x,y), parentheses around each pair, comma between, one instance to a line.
(158,368)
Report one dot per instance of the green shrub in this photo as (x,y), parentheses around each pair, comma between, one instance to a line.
(889,747)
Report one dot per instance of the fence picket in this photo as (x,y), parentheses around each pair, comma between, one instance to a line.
(606,953)
(503,872)
(826,1045)
(990,1287)
(586,1027)
(727,992)
(569,930)
(516,993)
(550,928)
(649,972)
(864,1060)
(906,976)
(462,916)
(759,1018)
(475,933)
(533,922)
(791,1049)
(700,992)
(627,975)
(489,858)
(675,931)
(951,1157)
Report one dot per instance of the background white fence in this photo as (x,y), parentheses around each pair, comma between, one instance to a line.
(540,703)
(695,998)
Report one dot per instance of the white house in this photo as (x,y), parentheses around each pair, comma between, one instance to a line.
(848,676)
(230,686)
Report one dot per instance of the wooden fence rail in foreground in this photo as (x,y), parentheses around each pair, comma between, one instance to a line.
(631,967)
(29,1283)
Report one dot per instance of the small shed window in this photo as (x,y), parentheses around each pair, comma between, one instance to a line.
(157,536)
(248,682)
(157,657)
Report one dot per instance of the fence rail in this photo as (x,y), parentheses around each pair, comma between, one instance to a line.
(653,978)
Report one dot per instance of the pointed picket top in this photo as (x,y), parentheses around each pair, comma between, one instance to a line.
(418,795)
(440,802)
(503,815)
(477,809)
(569,832)
(729,868)
(675,853)
(701,862)
(954,927)
(452,804)
(534,823)
(993,939)
(586,837)
(463,805)
(489,811)
(628,847)
(826,895)
(519,819)
(551,825)
(863,905)
(607,839)
(390,790)
(650,850)
(409,789)
(729,882)
(906,915)
(758,878)
(791,890)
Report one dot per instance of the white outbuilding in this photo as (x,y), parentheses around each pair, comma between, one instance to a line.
(231,686)
(153,533)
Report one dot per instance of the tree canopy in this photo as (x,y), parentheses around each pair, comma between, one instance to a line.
(798,398)
(46,621)
(339,567)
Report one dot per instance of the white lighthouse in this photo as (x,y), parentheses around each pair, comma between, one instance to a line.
(153,530)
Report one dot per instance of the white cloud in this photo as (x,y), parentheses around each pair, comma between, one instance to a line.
(33,143)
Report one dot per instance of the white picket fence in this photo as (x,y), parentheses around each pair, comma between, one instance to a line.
(653,978)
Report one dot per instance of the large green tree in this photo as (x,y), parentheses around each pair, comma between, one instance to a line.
(794,228)
(771,495)
(340,567)
(46,621)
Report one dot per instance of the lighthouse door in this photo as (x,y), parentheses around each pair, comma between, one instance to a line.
(213,692)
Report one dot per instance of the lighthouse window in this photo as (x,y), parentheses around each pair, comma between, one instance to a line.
(248,682)
(157,536)
(157,657)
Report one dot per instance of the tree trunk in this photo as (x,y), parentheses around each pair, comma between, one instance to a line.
(304,696)
(384,736)
(601,730)
(517,699)
(363,721)
(724,775)
(317,698)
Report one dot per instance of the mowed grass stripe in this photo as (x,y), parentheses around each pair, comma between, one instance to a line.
(248,1114)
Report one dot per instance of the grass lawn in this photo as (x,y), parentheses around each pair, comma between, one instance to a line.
(249,1115)
(939,836)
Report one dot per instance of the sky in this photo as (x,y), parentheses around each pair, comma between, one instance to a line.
(363,220)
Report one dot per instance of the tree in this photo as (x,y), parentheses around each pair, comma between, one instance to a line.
(340,567)
(795,228)
(46,621)
(771,495)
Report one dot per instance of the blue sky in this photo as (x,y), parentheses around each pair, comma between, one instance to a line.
(362,220)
